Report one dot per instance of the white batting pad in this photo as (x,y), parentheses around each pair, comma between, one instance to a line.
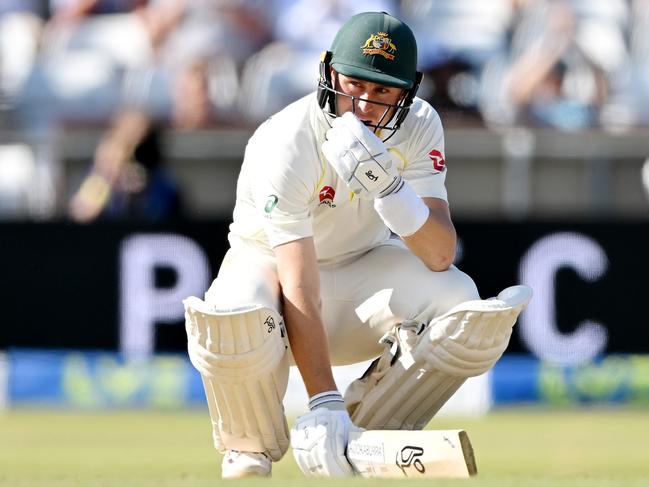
(241,355)
(420,370)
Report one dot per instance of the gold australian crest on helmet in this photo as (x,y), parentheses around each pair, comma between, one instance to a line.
(380,44)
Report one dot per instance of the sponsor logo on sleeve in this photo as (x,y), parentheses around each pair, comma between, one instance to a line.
(326,195)
(439,164)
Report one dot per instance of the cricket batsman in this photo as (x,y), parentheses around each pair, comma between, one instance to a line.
(341,251)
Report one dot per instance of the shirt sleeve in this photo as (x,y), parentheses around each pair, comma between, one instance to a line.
(284,189)
(426,168)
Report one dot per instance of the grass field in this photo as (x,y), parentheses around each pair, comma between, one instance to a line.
(513,448)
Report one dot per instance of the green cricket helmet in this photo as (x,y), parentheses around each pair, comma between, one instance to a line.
(375,47)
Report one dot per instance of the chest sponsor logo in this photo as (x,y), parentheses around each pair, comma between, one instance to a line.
(438,160)
(327,194)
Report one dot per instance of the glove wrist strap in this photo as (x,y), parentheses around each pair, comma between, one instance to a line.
(328,399)
(403,211)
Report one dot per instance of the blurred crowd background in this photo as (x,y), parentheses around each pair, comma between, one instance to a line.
(133,70)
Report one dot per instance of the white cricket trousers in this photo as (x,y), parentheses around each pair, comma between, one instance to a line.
(362,298)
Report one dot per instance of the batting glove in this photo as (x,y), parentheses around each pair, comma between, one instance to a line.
(360,158)
(319,438)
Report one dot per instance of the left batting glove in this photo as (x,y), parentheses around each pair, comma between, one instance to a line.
(319,438)
(360,158)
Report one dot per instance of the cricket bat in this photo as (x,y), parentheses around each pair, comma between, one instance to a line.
(416,454)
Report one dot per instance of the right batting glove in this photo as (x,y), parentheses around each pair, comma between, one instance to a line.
(319,438)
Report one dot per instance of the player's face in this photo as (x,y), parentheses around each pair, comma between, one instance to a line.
(365,93)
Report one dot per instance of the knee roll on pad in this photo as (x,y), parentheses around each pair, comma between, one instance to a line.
(421,369)
(241,355)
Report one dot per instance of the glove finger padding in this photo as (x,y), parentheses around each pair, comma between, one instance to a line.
(360,158)
(336,152)
(319,440)
(368,139)
(348,142)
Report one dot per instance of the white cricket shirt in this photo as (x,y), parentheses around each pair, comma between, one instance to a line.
(287,190)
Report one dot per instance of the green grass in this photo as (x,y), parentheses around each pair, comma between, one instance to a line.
(513,448)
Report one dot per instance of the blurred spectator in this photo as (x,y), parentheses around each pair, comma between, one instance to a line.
(628,105)
(21,24)
(286,69)
(640,30)
(199,47)
(129,178)
(87,46)
(455,40)
(558,70)
(75,75)
(221,33)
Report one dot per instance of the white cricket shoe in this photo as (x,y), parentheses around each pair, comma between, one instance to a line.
(239,464)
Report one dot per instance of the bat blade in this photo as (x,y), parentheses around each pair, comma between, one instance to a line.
(416,454)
